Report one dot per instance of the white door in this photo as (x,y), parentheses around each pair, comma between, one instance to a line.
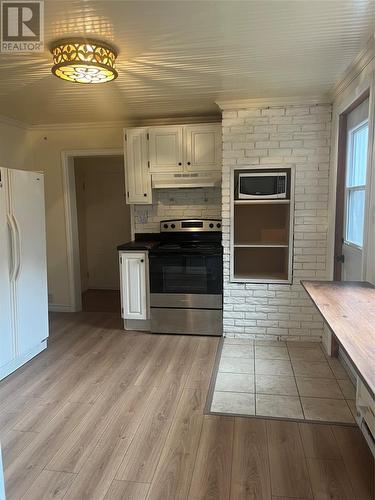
(203,147)
(138,178)
(30,277)
(7,240)
(133,267)
(166,153)
(355,193)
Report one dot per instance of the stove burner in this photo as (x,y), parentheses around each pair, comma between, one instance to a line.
(194,236)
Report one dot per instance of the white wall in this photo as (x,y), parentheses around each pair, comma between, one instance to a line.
(283,134)
(47,145)
(357,85)
(15,149)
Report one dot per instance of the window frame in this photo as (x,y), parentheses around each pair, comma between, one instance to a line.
(359,187)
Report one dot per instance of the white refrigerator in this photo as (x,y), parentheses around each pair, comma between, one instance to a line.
(23,269)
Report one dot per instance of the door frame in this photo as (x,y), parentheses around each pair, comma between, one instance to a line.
(366,89)
(341,182)
(71,219)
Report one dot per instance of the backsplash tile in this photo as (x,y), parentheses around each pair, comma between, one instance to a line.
(177,204)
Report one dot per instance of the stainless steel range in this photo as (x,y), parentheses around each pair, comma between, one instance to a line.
(186,278)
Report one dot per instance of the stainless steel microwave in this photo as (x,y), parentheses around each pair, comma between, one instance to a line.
(262,185)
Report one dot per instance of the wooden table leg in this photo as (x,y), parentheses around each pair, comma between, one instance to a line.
(334,347)
(330,343)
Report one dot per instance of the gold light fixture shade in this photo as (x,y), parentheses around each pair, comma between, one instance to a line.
(83,60)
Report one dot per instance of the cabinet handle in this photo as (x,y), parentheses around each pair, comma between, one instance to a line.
(144,194)
(142,260)
(179,163)
(188,162)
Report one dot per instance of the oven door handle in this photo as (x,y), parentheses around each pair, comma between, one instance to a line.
(187,254)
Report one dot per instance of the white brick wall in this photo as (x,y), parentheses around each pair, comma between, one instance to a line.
(280,135)
(179,204)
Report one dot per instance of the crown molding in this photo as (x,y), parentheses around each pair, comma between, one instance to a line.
(138,122)
(76,126)
(177,120)
(13,123)
(364,58)
(274,102)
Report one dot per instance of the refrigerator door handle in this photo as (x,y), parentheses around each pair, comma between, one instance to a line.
(18,248)
(13,250)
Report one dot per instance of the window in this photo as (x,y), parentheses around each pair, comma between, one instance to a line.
(356,184)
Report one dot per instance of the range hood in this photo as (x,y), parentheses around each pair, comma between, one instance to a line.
(186,180)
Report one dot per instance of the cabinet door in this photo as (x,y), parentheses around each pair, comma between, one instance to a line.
(137,175)
(203,147)
(166,153)
(133,273)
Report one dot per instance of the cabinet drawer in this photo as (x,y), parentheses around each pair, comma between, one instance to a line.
(187,321)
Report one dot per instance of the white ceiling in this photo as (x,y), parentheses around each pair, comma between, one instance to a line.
(178,57)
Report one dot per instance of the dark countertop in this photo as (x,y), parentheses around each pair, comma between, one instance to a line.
(142,241)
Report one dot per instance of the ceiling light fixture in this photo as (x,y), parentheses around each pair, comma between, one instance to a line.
(83,60)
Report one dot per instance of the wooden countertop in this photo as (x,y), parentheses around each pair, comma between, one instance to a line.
(348,307)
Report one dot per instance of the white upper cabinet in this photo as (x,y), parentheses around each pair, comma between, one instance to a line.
(202,147)
(166,149)
(138,179)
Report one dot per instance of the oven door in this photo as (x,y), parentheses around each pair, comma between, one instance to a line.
(188,274)
(186,294)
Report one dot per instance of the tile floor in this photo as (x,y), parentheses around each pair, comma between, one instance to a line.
(284,380)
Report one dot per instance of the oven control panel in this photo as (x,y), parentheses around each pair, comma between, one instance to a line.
(190,225)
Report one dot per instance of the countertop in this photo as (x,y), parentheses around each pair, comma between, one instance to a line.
(142,241)
(348,308)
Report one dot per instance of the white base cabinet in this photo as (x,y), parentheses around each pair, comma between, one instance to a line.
(134,283)
(365,404)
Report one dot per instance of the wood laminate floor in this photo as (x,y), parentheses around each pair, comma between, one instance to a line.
(104,414)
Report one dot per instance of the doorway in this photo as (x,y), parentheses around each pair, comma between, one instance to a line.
(103,223)
(351,191)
